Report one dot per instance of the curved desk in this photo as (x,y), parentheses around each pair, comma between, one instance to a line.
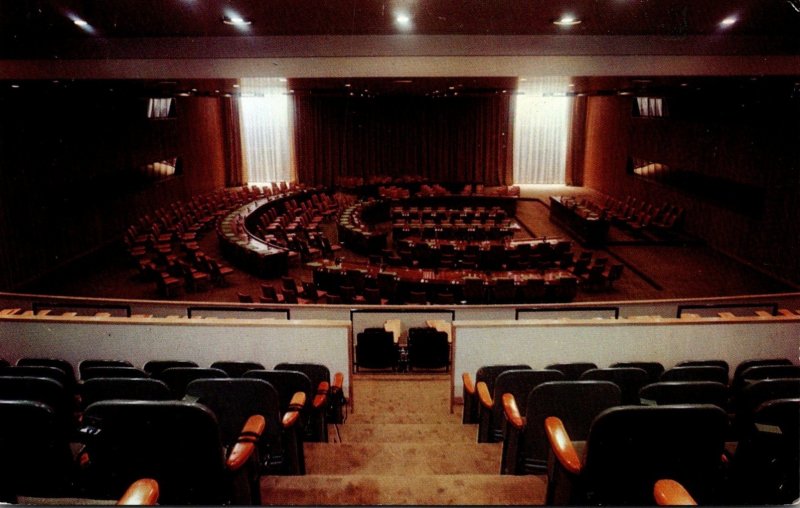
(244,249)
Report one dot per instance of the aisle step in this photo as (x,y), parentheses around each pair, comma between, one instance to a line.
(406,432)
(402,489)
(402,458)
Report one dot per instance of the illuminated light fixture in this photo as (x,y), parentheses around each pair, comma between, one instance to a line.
(235,85)
(347,85)
(567,20)
(15,85)
(80,22)
(236,21)
(404,81)
(403,20)
(729,21)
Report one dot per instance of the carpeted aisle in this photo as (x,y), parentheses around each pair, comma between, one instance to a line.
(401,446)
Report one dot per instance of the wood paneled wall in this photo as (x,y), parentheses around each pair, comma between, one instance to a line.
(64,158)
(761,150)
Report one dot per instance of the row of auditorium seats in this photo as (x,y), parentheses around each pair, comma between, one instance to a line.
(127,420)
(532,411)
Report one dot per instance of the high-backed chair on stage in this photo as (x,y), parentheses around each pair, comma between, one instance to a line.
(178,444)
(487,375)
(518,383)
(376,349)
(576,403)
(428,348)
(629,448)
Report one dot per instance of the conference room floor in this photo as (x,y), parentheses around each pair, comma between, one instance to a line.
(677,270)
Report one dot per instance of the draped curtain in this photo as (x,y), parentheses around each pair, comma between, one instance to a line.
(456,139)
(266,126)
(541,130)
(232,142)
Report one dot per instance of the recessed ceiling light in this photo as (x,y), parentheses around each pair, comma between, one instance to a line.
(236,21)
(15,85)
(729,21)
(567,20)
(80,22)
(403,20)
(347,85)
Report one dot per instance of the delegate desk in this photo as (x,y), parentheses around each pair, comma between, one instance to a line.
(244,248)
(589,228)
(330,276)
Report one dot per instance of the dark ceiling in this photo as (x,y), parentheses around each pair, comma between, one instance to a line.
(175,46)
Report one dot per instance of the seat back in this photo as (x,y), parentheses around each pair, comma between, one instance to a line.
(178,377)
(91,363)
(177,443)
(684,392)
(113,371)
(708,363)
(576,403)
(653,369)
(236,368)
(696,373)
(287,383)
(375,349)
(428,348)
(767,460)
(53,373)
(572,371)
(629,379)
(488,373)
(37,460)
(518,383)
(45,390)
(758,392)
(752,363)
(155,367)
(629,448)
(58,363)
(108,388)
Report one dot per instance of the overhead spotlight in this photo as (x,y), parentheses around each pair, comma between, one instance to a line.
(81,23)
(237,21)
(567,20)
(403,20)
(729,21)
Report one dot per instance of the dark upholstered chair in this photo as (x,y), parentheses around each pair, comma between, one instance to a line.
(376,349)
(629,379)
(576,403)
(428,348)
(487,375)
(629,448)
(684,392)
(572,371)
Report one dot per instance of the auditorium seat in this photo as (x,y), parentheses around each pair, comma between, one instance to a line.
(684,392)
(107,388)
(696,373)
(502,290)
(629,448)
(177,378)
(320,376)
(155,367)
(244,298)
(629,379)
(737,381)
(45,371)
(311,293)
(288,383)
(58,363)
(751,396)
(764,469)
(576,403)
(474,290)
(35,454)
(236,368)
(375,349)
(45,390)
(268,291)
(178,444)
(699,363)
(113,371)
(518,383)
(486,374)
(91,363)
(653,369)
(572,371)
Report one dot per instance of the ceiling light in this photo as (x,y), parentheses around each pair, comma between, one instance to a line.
(15,86)
(729,21)
(80,22)
(236,21)
(403,20)
(567,20)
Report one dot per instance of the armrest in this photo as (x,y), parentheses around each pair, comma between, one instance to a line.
(246,443)
(672,493)
(512,411)
(321,399)
(338,382)
(141,492)
(293,414)
(468,386)
(561,444)
(484,396)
